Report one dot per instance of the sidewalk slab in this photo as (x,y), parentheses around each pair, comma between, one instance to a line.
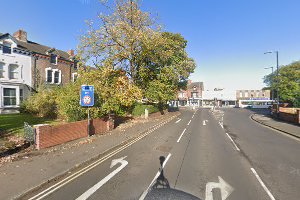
(38,167)
(291,129)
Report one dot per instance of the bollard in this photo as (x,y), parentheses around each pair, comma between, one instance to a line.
(146,113)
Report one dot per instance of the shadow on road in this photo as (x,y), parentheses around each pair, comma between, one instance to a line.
(161,188)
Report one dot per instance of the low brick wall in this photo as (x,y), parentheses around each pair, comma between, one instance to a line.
(288,114)
(48,136)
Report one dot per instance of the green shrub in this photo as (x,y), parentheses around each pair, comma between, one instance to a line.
(139,109)
(42,103)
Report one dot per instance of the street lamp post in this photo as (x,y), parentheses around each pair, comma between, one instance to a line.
(272,98)
(277,74)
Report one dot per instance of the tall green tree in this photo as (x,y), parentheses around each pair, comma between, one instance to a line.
(129,39)
(288,83)
(117,38)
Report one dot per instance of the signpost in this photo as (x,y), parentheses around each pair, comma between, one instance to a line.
(87,99)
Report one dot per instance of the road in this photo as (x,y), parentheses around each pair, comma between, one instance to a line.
(200,155)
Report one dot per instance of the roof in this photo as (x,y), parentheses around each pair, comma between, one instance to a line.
(37,48)
(197,84)
(41,49)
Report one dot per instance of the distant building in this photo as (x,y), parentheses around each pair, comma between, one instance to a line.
(219,97)
(26,65)
(192,96)
(253,98)
(253,94)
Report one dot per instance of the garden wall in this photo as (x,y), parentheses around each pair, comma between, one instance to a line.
(48,135)
(289,114)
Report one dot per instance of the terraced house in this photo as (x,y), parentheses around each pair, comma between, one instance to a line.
(27,65)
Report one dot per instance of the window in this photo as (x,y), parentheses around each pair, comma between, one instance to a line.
(1,70)
(56,76)
(9,96)
(21,95)
(7,47)
(246,94)
(13,71)
(53,76)
(53,59)
(194,94)
(74,76)
(49,76)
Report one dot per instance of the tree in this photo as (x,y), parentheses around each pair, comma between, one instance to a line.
(129,40)
(162,75)
(288,83)
(116,39)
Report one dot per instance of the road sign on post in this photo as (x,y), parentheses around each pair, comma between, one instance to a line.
(87,99)
(87,95)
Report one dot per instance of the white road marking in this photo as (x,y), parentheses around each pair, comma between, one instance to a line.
(225,188)
(155,177)
(189,122)
(193,115)
(181,135)
(84,170)
(233,142)
(178,121)
(221,124)
(204,122)
(262,184)
(93,189)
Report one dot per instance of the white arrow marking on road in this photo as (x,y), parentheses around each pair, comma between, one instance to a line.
(225,188)
(178,121)
(204,122)
(93,189)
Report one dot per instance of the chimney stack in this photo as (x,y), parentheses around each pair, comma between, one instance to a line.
(21,35)
(71,52)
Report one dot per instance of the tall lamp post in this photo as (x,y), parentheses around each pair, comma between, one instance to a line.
(277,74)
(272,98)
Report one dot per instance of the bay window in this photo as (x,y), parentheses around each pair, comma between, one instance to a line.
(9,96)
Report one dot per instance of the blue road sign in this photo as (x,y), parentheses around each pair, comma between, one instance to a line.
(87,95)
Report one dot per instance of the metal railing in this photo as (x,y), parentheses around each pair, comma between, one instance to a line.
(29,133)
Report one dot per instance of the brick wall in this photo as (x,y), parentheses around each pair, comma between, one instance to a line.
(47,135)
(289,115)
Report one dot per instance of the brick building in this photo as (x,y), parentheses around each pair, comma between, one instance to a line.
(192,96)
(50,66)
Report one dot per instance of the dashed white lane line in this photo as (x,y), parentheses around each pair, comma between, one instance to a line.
(178,121)
(181,135)
(189,122)
(262,184)
(155,177)
(233,142)
(221,125)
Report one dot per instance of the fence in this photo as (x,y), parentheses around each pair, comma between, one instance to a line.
(29,133)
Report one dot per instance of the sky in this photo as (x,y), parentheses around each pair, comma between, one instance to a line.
(226,38)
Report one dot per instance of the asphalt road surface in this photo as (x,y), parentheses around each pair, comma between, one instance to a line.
(199,155)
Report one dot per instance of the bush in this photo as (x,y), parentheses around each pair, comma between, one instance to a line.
(43,103)
(139,109)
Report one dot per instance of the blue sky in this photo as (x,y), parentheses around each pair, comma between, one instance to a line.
(227,38)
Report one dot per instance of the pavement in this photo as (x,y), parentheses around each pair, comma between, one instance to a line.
(31,170)
(285,127)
